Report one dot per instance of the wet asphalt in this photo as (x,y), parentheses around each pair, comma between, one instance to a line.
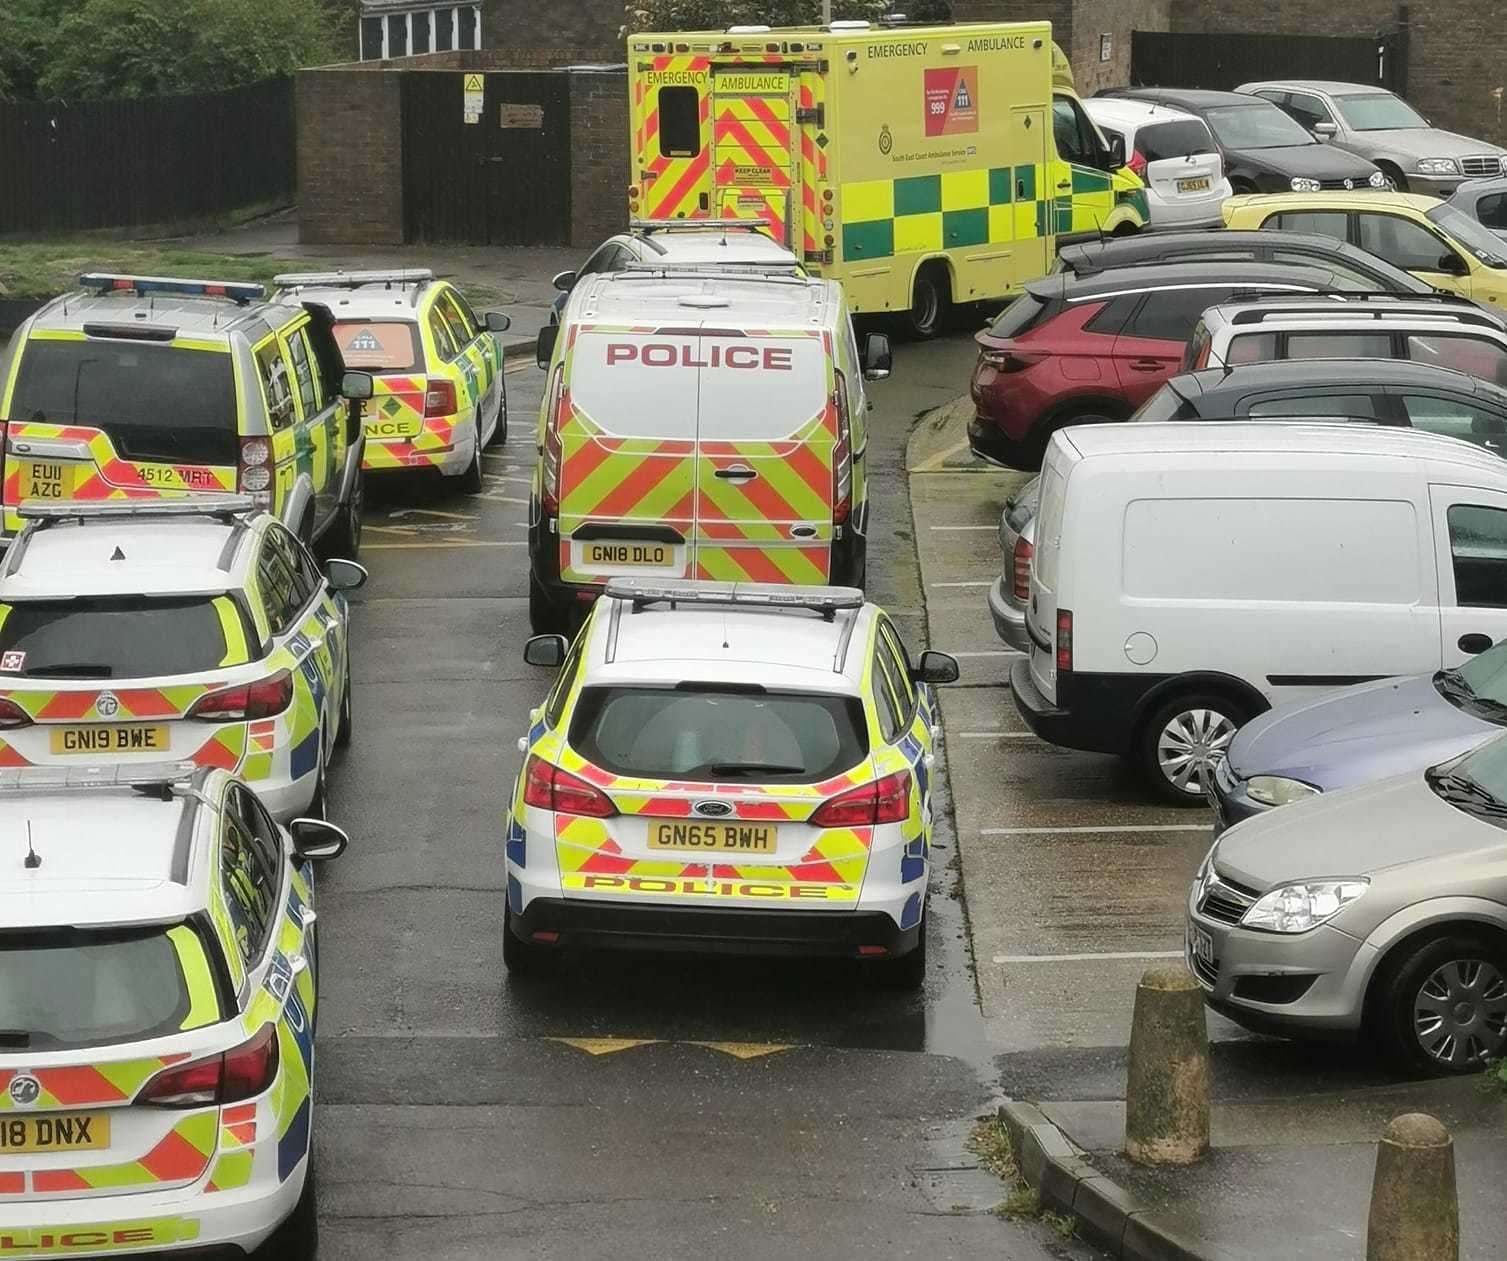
(629,1106)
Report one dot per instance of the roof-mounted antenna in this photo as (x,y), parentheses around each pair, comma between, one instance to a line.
(33,859)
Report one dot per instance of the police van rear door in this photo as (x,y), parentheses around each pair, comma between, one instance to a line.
(756,157)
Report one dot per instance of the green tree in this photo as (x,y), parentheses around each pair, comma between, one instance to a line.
(27,28)
(124,48)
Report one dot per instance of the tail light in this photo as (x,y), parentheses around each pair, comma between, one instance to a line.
(554,451)
(549,788)
(439,397)
(842,456)
(240,1074)
(1021,569)
(261,699)
(1011,360)
(885,800)
(1064,641)
(254,470)
(1137,163)
(12,715)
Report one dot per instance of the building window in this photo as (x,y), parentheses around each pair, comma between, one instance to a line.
(419,24)
(371,39)
(469,17)
(422,29)
(397,35)
(444,30)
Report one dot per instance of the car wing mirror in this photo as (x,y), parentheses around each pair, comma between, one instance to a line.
(545,650)
(936,667)
(497,322)
(1116,152)
(344,575)
(877,358)
(1451,264)
(357,385)
(564,281)
(1326,131)
(544,351)
(317,841)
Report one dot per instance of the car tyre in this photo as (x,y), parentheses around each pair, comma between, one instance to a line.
(471,479)
(930,300)
(1183,740)
(906,973)
(545,616)
(500,429)
(523,958)
(1458,985)
(1395,177)
(318,803)
(297,1239)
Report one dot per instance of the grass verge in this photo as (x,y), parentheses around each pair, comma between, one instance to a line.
(42,269)
(990,1144)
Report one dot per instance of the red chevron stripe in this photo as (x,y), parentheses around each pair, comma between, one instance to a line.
(57,1180)
(637,486)
(695,170)
(778,127)
(65,705)
(12,1183)
(73,1087)
(174,1159)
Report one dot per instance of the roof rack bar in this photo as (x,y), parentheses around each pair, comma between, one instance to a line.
(353,279)
(237,291)
(773,273)
(699,225)
(642,592)
(221,507)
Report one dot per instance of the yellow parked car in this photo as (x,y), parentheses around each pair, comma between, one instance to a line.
(1434,240)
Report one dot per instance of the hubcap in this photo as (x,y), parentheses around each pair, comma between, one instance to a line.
(1191,745)
(1460,1013)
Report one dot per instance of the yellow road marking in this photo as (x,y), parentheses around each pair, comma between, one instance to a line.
(747,1050)
(935,463)
(432,512)
(605,1046)
(398,547)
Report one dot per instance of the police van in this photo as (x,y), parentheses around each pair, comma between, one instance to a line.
(699,424)
(918,165)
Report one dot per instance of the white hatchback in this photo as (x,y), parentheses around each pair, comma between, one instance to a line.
(1173,153)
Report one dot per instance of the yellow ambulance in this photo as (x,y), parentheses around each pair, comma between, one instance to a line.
(917,165)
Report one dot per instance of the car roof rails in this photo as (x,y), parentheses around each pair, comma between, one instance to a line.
(1301,307)
(643,592)
(723,269)
(647,226)
(238,292)
(353,279)
(156,778)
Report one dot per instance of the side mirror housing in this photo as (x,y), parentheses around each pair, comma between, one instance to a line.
(877,359)
(1451,264)
(936,667)
(564,281)
(344,575)
(357,385)
(317,841)
(545,650)
(1326,131)
(497,322)
(544,351)
(1116,152)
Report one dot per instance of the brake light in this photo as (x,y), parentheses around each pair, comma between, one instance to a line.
(254,470)
(1064,641)
(1002,359)
(549,788)
(1021,566)
(240,1074)
(12,715)
(439,397)
(261,699)
(1137,163)
(842,456)
(554,451)
(885,800)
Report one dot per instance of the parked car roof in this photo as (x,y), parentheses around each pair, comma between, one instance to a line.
(1165,275)
(1322,373)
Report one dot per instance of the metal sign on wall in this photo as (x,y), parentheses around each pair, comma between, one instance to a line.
(473,88)
(514,114)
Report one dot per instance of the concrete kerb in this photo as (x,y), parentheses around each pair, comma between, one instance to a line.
(1107,1214)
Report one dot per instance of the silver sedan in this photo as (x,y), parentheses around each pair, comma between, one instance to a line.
(1378,911)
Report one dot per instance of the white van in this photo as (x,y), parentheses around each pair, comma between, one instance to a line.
(1187,577)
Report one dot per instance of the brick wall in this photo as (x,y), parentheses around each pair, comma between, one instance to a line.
(350,156)
(599,156)
(589,27)
(1117,18)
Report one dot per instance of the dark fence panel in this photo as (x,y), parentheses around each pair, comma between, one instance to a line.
(122,163)
(1222,62)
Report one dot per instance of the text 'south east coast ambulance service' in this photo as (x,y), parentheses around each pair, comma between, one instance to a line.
(918,166)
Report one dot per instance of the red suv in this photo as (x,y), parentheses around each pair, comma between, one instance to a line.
(1073,350)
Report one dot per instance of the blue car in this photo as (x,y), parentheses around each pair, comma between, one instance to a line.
(1358,735)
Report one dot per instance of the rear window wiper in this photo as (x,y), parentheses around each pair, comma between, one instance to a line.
(748,768)
(71,670)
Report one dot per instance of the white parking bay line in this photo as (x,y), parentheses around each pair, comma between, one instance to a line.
(990,652)
(1107,830)
(1091,958)
(964,527)
(996,735)
(985,583)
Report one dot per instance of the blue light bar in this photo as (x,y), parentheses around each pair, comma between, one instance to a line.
(237,291)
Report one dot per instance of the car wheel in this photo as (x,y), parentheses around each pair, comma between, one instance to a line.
(1184,740)
(500,430)
(929,302)
(1241,187)
(908,972)
(347,730)
(297,1239)
(1395,177)
(471,479)
(1445,1008)
(523,958)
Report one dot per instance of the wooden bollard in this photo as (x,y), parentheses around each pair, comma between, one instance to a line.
(1167,1091)
(1415,1214)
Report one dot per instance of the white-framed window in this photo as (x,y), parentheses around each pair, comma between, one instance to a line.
(427,28)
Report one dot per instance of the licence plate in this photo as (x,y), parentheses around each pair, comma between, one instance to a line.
(1202,945)
(73,1132)
(47,479)
(723,838)
(114,739)
(638,555)
(1193,186)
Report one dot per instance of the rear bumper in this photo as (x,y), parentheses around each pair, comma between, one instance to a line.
(1098,713)
(1189,213)
(1009,618)
(619,926)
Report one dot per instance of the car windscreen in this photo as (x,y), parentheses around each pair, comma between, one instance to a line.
(379,345)
(1487,247)
(1256,126)
(1380,111)
(65,988)
(706,732)
(121,637)
(155,401)
(1175,139)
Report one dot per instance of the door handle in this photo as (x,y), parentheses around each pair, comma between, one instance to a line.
(1474,643)
(1065,184)
(1020,190)
(1146,365)
(736,473)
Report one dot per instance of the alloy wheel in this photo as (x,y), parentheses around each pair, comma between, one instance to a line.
(1460,1013)
(1191,745)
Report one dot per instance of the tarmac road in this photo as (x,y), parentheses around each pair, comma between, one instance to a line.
(630,1106)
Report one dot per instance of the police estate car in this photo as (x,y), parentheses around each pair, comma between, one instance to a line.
(198,630)
(157,1005)
(721,766)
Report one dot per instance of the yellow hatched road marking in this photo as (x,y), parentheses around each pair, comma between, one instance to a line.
(605,1046)
(738,1050)
(747,1050)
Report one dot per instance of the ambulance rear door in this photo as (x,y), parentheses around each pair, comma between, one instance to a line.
(672,144)
(756,148)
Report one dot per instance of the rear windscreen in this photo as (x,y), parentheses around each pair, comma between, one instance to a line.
(1019,317)
(1173,140)
(66,988)
(655,384)
(379,345)
(732,735)
(1166,404)
(156,402)
(128,637)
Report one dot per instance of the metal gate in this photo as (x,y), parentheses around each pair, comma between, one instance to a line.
(486,157)
(1223,62)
